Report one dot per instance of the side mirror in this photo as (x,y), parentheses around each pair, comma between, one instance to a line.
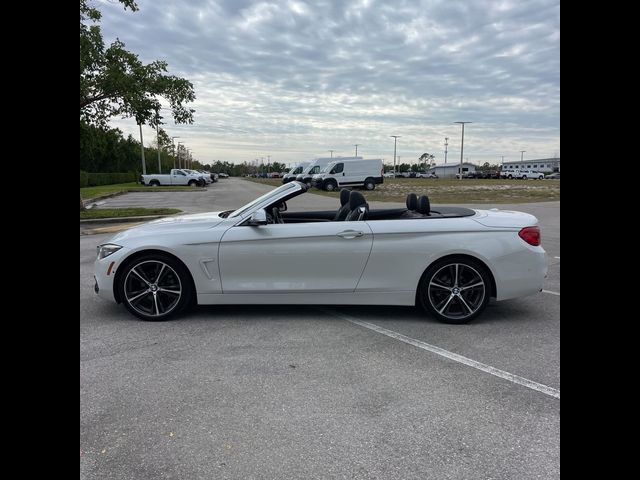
(258,217)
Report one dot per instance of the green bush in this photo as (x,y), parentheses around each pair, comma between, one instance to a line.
(96,179)
(84,179)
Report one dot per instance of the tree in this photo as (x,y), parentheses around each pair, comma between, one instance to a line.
(427,158)
(113,81)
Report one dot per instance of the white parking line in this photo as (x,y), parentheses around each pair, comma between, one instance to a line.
(552,293)
(452,356)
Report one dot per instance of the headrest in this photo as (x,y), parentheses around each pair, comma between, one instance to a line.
(412,201)
(356,199)
(344,196)
(424,206)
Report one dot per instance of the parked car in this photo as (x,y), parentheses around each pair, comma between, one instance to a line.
(389,175)
(552,176)
(319,164)
(177,176)
(205,178)
(522,174)
(424,174)
(467,175)
(460,258)
(354,173)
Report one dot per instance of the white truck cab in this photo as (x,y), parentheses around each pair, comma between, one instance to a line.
(296,170)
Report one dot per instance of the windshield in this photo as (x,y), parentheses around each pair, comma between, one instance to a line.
(328,168)
(296,171)
(272,193)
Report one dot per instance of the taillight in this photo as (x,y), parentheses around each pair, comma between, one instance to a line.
(531,235)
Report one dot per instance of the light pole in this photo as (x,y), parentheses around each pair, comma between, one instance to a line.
(158,142)
(144,166)
(179,155)
(174,150)
(331,153)
(461,146)
(356,145)
(522,155)
(395,142)
(446,139)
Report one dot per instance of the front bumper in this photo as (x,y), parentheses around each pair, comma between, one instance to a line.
(105,271)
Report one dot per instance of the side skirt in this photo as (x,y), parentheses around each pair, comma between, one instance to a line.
(359,298)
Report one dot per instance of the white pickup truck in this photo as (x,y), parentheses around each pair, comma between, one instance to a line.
(176,177)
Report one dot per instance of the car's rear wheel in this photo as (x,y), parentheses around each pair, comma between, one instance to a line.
(193,183)
(524,177)
(154,183)
(369,184)
(455,290)
(154,287)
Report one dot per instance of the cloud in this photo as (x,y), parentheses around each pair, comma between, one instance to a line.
(294,78)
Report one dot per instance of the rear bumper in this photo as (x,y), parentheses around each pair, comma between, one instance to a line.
(520,274)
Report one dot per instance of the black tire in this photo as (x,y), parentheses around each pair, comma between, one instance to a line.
(524,177)
(154,183)
(510,177)
(330,185)
(192,183)
(442,294)
(369,184)
(168,295)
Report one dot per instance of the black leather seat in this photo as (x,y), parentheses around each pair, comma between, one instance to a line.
(424,206)
(412,202)
(358,207)
(344,209)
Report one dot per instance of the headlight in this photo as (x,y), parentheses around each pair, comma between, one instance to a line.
(107,249)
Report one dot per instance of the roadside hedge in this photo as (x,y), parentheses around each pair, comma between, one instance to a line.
(95,179)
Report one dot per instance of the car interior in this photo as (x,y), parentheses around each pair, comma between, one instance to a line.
(354,207)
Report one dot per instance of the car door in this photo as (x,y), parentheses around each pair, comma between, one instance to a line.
(339,174)
(178,178)
(294,258)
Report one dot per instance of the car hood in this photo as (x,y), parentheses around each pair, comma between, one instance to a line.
(179,223)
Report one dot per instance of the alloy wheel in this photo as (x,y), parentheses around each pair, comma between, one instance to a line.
(456,291)
(152,288)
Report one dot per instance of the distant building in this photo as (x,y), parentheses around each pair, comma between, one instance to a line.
(545,165)
(451,169)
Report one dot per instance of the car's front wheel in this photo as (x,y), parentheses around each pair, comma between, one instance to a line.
(154,286)
(455,290)
(330,185)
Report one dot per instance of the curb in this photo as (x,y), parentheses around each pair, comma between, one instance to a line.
(92,221)
(88,201)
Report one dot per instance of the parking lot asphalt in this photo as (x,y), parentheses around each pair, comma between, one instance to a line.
(304,392)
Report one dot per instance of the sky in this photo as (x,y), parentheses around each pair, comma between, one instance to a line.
(290,80)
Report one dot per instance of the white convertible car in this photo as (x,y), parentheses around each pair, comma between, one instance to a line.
(449,261)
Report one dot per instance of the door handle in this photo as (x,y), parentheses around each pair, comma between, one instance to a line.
(349,234)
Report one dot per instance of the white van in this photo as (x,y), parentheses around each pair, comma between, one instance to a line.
(356,173)
(317,165)
(297,169)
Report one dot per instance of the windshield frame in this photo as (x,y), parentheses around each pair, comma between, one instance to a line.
(328,167)
(267,198)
